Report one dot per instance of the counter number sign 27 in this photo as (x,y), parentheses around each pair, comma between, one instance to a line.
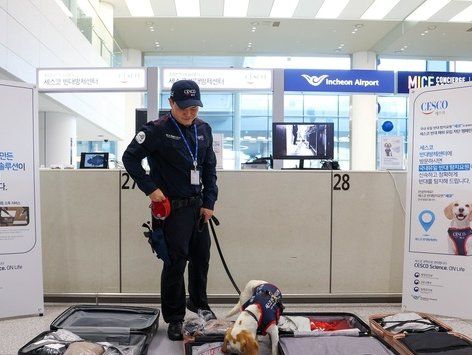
(127,181)
(341,182)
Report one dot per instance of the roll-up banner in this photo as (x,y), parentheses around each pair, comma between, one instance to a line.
(21,278)
(438,246)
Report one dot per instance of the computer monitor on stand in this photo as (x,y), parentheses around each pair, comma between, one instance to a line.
(295,140)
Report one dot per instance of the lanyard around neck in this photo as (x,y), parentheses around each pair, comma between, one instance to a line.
(194,156)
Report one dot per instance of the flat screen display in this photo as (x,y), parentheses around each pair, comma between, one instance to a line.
(93,160)
(293,140)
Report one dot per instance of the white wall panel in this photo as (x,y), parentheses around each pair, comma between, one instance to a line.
(368,233)
(51,38)
(80,244)
(22,43)
(3,29)
(3,56)
(26,14)
(18,67)
(48,58)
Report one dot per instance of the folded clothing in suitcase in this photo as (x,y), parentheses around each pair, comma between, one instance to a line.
(419,333)
(337,333)
(118,329)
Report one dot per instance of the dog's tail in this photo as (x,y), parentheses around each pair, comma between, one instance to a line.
(236,309)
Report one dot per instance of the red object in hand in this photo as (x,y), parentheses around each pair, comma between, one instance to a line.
(160,210)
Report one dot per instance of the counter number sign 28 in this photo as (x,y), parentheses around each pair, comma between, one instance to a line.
(341,182)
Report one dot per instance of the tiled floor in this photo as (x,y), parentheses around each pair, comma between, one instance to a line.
(14,333)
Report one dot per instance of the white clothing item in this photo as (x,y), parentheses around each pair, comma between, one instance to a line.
(294,323)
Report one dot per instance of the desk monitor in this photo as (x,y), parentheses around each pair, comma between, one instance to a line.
(94,160)
(294,140)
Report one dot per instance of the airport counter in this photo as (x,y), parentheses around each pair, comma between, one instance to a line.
(315,234)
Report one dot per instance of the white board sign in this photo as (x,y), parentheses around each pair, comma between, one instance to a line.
(438,246)
(21,280)
(220,79)
(91,79)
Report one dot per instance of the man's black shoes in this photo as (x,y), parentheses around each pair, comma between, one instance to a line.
(204,312)
(174,331)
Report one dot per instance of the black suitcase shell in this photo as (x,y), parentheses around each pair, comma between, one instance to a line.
(124,325)
(441,341)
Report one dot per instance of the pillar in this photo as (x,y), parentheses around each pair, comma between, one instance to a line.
(59,133)
(364,119)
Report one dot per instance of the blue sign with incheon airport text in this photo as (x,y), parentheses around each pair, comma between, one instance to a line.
(353,81)
(408,80)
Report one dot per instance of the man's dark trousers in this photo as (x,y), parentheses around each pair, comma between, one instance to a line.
(184,242)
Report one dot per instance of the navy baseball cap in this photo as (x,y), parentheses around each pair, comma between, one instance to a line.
(186,93)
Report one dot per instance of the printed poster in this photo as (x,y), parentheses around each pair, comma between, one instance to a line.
(218,148)
(438,246)
(391,153)
(21,281)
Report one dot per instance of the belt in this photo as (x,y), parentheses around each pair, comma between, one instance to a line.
(177,203)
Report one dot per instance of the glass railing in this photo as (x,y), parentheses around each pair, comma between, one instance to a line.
(86,15)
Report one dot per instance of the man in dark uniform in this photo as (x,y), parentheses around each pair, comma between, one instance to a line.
(179,149)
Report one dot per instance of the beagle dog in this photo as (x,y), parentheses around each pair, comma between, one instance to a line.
(459,232)
(260,304)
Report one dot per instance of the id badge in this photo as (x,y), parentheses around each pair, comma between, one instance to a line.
(194,177)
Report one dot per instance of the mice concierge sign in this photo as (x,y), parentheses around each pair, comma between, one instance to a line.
(21,280)
(438,237)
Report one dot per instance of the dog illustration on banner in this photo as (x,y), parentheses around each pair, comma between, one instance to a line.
(459,232)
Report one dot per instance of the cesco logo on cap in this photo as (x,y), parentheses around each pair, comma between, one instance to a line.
(191,92)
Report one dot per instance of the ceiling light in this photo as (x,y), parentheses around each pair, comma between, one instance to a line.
(331,8)
(379,9)
(283,8)
(235,8)
(64,8)
(427,9)
(140,8)
(463,16)
(187,8)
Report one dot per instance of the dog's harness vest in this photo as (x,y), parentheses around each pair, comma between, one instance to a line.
(269,300)
(459,238)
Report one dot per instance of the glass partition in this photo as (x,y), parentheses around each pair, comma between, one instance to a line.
(85,14)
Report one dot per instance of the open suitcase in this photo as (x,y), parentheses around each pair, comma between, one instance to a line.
(336,333)
(437,338)
(357,338)
(128,329)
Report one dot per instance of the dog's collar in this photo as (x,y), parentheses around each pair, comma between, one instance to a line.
(252,315)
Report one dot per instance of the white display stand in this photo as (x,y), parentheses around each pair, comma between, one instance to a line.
(437,272)
(21,278)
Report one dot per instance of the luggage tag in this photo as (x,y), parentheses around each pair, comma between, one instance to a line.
(194,175)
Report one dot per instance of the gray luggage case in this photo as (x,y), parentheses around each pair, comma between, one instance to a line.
(129,326)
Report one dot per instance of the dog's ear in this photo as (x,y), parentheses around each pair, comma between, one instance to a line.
(448,211)
(228,336)
(249,345)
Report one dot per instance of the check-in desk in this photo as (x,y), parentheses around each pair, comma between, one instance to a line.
(313,233)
